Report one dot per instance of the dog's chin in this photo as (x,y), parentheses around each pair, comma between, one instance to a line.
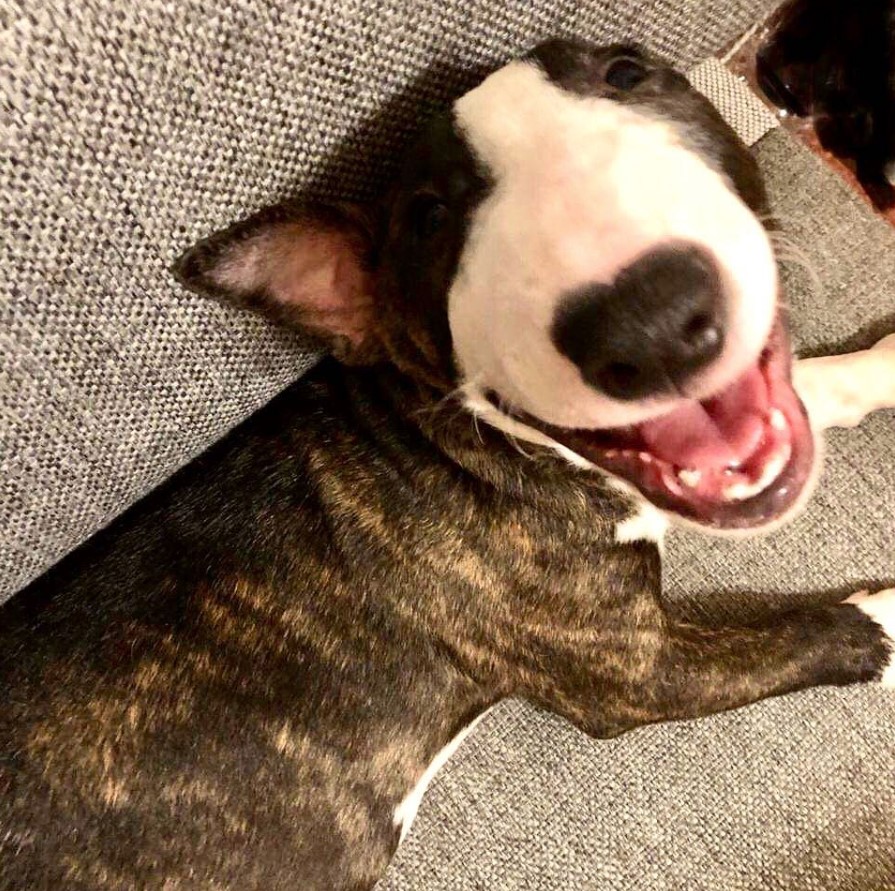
(742,459)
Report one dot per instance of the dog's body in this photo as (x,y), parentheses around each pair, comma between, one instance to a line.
(242,683)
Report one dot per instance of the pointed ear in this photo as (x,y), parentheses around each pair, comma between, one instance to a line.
(307,265)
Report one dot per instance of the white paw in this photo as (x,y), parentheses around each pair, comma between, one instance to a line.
(887,343)
(881,608)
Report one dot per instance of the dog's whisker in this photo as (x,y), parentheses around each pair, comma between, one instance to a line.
(789,252)
(478,430)
(802,263)
(440,404)
(514,442)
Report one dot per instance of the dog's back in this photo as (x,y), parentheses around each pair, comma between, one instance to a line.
(182,691)
(239,679)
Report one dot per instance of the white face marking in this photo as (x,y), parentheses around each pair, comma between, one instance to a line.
(881,608)
(405,812)
(582,187)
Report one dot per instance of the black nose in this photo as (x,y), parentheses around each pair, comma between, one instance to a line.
(655,326)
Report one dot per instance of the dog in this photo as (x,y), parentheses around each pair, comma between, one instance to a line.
(834,61)
(559,328)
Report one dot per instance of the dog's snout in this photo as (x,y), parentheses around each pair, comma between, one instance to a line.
(659,323)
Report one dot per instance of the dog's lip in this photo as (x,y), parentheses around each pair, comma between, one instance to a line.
(755,483)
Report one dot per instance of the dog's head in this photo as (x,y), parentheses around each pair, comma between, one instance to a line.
(576,247)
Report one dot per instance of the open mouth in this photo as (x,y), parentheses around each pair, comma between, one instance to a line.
(737,460)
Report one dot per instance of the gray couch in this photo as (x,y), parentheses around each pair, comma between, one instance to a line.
(131,129)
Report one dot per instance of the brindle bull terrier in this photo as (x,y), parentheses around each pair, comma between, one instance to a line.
(560,327)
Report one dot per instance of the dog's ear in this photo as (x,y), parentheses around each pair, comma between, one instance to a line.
(309,266)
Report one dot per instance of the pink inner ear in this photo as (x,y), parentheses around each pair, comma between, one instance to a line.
(313,271)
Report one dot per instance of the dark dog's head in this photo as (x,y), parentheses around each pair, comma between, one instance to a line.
(835,62)
(575,248)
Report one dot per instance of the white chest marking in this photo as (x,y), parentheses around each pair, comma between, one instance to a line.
(648,524)
(405,812)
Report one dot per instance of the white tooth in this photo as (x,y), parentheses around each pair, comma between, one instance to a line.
(740,491)
(671,483)
(690,478)
(773,469)
(778,419)
(646,457)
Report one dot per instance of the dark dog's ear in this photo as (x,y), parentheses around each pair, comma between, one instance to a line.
(309,266)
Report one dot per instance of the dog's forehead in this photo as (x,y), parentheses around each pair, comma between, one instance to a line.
(520,111)
(558,97)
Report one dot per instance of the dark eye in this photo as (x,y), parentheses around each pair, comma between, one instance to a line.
(428,214)
(625,74)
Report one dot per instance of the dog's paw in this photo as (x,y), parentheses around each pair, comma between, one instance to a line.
(881,608)
(887,343)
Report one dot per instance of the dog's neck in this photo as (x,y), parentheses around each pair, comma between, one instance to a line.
(485,455)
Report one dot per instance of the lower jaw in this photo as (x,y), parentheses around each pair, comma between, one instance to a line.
(761,495)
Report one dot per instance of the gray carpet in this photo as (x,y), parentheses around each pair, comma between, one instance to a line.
(792,794)
(131,129)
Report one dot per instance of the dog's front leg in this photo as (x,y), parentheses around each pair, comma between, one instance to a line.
(672,670)
(839,391)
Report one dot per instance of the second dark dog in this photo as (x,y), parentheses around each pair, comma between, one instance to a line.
(834,61)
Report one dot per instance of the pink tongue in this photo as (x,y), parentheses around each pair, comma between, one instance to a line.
(723,430)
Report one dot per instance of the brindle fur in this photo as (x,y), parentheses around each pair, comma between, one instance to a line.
(284,636)
(235,684)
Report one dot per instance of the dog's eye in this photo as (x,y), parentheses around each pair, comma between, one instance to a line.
(625,74)
(428,215)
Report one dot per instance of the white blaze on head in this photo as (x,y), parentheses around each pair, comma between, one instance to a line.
(582,187)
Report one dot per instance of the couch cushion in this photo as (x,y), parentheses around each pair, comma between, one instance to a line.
(790,794)
(131,129)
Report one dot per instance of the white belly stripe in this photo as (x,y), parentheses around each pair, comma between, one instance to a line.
(405,812)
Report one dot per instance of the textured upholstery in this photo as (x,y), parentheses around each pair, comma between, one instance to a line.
(130,129)
(790,794)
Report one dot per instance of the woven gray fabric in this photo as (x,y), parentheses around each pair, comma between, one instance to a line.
(731,95)
(129,130)
(784,796)
(791,794)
